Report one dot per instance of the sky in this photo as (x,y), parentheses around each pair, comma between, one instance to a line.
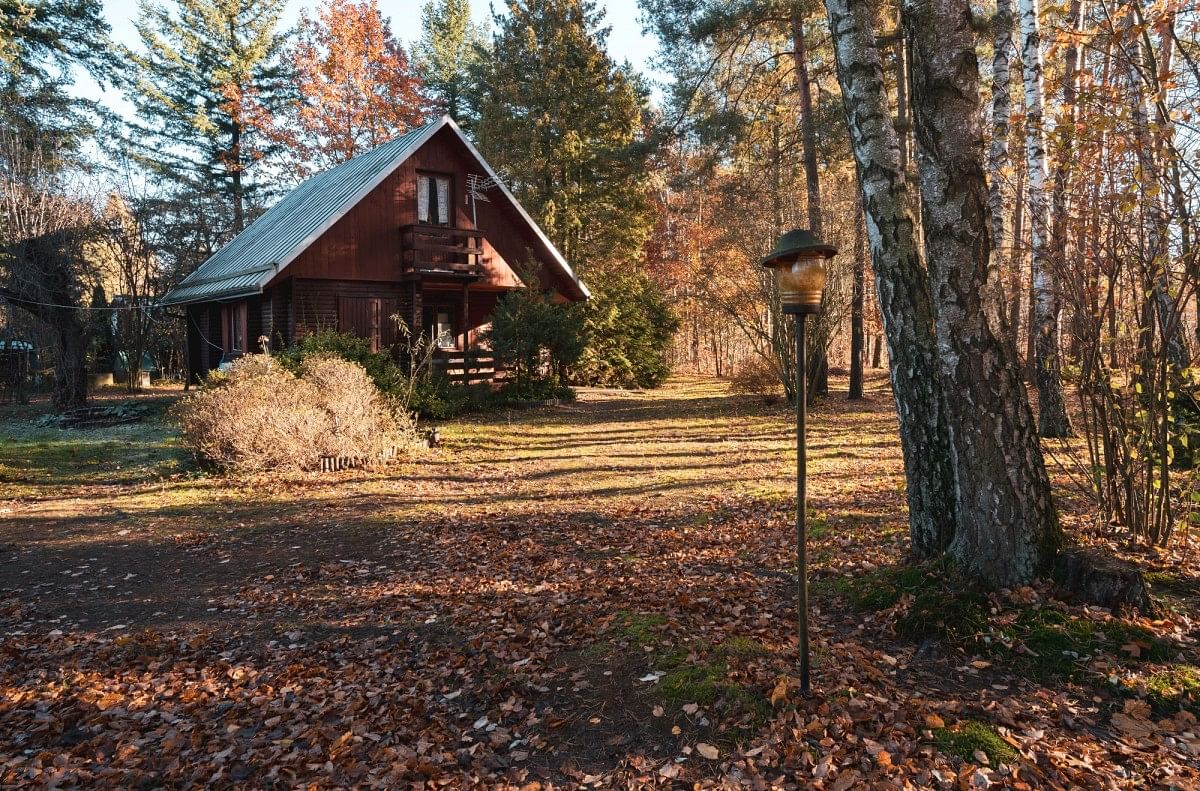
(625,42)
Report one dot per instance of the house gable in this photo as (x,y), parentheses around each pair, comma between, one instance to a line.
(365,243)
(345,223)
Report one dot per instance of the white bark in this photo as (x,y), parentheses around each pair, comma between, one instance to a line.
(1047,303)
(999,163)
(901,281)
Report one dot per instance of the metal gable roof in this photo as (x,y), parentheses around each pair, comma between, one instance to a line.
(245,265)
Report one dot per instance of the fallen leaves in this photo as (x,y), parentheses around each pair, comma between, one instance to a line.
(488,633)
(779,693)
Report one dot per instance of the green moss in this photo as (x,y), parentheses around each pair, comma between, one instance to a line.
(1176,687)
(743,647)
(883,588)
(1061,644)
(818,526)
(705,683)
(640,628)
(698,683)
(938,608)
(1168,584)
(969,736)
(942,613)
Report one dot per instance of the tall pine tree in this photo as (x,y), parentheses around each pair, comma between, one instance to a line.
(208,86)
(40,43)
(449,51)
(565,123)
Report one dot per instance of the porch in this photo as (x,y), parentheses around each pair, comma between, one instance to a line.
(472,367)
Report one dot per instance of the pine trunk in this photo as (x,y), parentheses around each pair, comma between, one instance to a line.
(818,382)
(902,287)
(808,126)
(1052,407)
(856,313)
(1007,533)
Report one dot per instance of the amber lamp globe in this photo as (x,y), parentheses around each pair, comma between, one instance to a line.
(798,262)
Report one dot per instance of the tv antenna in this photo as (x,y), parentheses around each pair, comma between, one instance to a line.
(477,187)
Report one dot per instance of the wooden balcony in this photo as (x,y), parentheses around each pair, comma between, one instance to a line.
(440,250)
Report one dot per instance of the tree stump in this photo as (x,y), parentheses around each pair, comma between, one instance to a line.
(1096,577)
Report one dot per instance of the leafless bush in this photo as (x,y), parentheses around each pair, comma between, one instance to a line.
(757,376)
(362,422)
(258,416)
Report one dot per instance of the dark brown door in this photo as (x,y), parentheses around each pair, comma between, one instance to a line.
(369,318)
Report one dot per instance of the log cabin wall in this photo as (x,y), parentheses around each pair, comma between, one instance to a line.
(315,302)
(197,346)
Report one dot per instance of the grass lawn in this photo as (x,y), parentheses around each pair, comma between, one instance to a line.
(599,594)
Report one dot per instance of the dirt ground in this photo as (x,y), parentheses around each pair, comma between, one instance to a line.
(598,594)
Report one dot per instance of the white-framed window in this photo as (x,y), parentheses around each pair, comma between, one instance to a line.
(433,199)
(443,330)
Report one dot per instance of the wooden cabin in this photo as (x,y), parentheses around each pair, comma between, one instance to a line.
(420,227)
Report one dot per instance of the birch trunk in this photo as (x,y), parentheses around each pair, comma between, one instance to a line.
(1007,533)
(999,163)
(1065,131)
(1052,407)
(902,287)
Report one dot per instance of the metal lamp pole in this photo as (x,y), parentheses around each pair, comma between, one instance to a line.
(798,263)
(802,494)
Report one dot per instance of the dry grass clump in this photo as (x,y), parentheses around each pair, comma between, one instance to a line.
(258,416)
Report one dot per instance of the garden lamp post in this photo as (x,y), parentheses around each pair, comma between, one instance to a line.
(798,262)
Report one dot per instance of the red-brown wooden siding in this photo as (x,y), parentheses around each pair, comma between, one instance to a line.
(359,257)
(365,243)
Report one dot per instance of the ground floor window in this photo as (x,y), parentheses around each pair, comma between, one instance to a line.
(443,330)
(441,324)
(233,328)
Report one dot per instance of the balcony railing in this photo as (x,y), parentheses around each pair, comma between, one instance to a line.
(439,250)
(468,368)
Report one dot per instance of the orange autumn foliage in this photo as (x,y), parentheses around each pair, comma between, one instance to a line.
(357,87)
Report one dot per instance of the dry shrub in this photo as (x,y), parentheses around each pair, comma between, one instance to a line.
(757,376)
(362,422)
(258,416)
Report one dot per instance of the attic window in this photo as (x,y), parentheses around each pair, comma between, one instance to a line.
(433,199)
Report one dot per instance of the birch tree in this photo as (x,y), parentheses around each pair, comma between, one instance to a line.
(1007,532)
(901,281)
(1053,419)
(999,162)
